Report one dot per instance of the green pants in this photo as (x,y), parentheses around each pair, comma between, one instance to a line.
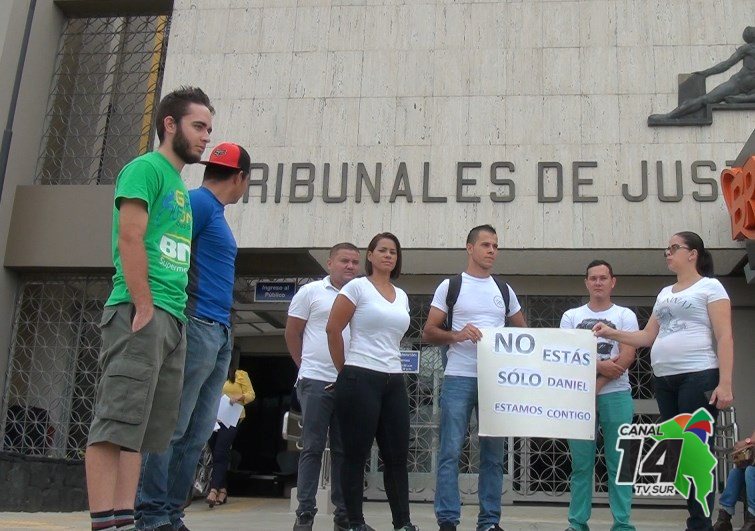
(614,409)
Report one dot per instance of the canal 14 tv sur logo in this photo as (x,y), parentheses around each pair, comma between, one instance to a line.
(669,458)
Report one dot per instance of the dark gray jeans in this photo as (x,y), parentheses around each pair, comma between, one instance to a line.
(317,405)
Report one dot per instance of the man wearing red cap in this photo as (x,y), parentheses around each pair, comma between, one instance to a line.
(167,476)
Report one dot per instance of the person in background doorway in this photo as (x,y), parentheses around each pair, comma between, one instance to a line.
(238,388)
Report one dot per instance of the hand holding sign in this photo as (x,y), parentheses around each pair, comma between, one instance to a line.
(469,332)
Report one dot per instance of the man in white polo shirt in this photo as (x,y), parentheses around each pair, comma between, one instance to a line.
(308,346)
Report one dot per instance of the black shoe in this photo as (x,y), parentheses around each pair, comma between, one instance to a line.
(749,521)
(304,522)
(407,527)
(341,523)
(724,521)
(183,528)
(447,526)
(361,527)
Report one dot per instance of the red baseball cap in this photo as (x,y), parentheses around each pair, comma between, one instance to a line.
(229,155)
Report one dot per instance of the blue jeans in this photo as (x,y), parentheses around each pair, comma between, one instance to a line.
(318,417)
(685,393)
(739,478)
(166,477)
(458,398)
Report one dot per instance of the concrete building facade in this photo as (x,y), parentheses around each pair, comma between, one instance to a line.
(423,118)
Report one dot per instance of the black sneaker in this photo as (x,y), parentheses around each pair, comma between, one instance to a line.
(407,527)
(447,526)
(341,523)
(724,521)
(361,527)
(304,522)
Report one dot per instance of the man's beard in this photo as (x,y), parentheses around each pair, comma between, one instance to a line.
(182,149)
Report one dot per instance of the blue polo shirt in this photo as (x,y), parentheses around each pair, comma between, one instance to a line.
(213,258)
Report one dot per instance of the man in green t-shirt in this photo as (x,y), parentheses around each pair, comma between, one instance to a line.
(143,333)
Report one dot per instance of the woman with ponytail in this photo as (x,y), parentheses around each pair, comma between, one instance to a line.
(692,344)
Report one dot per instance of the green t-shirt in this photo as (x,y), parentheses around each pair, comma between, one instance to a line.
(167,239)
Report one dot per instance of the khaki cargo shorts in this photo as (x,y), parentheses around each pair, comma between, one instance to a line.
(139,392)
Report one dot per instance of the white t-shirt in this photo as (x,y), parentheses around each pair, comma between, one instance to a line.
(618,318)
(479,303)
(376,327)
(312,303)
(685,341)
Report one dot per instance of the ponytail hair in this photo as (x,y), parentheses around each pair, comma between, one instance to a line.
(234,365)
(704,262)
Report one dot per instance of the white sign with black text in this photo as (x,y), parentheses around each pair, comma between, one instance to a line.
(536,382)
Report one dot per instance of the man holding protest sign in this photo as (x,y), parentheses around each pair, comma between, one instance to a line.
(460,307)
(614,400)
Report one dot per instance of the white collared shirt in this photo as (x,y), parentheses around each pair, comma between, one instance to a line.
(312,303)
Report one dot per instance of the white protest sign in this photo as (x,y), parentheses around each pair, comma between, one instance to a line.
(536,382)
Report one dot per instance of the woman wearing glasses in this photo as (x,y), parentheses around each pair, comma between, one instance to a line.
(692,345)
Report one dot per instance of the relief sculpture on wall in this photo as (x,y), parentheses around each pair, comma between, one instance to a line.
(696,105)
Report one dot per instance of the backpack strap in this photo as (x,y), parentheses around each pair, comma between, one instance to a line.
(454,287)
(503,287)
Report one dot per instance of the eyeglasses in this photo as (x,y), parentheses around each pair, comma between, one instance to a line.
(671,249)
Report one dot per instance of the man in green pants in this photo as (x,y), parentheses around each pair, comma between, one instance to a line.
(614,400)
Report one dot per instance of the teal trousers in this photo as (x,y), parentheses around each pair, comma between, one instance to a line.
(614,409)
